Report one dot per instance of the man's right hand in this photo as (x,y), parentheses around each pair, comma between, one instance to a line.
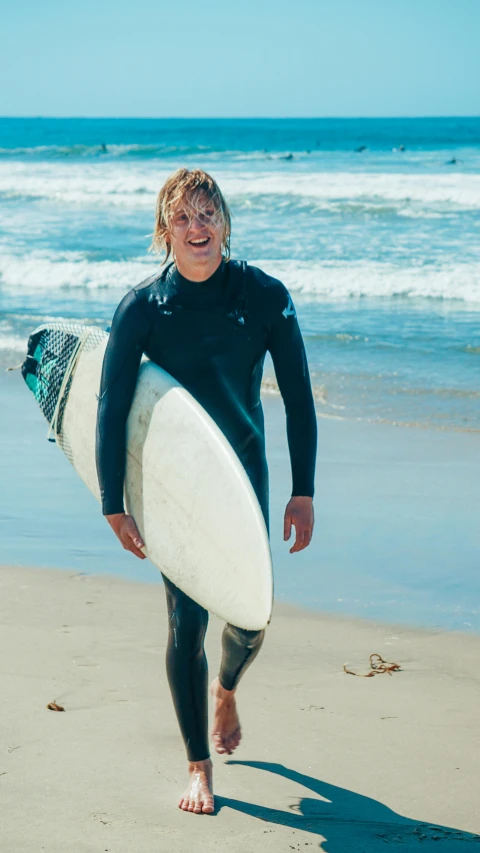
(126,530)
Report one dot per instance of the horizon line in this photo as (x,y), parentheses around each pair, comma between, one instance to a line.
(231,118)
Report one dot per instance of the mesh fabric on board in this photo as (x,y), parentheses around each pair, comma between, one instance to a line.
(52,352)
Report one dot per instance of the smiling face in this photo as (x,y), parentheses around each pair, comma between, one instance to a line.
(192,222)
(196,233)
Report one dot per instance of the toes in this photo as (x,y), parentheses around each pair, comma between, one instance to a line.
(189,804)
(233,741)
(227,745)
(197,806)
(219,744)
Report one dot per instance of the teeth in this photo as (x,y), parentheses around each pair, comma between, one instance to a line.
(198,242)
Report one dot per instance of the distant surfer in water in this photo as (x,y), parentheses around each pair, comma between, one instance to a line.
(209,321)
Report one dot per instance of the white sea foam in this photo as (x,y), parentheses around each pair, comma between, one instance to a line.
(100,184)
(134,185)
(11,343)
(50,272)
(460,189)
(340,280)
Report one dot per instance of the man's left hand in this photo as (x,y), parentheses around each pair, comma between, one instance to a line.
(299,512)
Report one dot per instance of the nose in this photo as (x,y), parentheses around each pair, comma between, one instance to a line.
(197,222)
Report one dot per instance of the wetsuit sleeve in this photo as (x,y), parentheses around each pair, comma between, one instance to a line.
(119,376)
(286,347)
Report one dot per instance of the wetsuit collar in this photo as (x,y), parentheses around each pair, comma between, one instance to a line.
(214,280)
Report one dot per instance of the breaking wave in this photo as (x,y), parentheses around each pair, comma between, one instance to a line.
(135,186)
(335,280)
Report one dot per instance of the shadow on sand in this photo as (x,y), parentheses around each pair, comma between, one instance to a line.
(343,821)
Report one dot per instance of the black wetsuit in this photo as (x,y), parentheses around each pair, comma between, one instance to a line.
(212,336)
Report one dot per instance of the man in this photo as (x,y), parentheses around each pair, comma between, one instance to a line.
(209,322)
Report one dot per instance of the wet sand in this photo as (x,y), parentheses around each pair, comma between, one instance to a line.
(397,534)
(328,761)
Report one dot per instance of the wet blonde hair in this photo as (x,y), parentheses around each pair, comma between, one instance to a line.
(193,187)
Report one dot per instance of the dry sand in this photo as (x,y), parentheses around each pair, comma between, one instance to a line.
(328,761)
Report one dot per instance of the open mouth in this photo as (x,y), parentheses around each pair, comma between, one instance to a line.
(200,242)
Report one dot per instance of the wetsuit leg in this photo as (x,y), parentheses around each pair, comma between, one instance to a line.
(187,669)
(186,661)
(255,463)
(239,650)
(239,646)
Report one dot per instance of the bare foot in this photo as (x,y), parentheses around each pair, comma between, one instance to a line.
(226,732)
(198,796)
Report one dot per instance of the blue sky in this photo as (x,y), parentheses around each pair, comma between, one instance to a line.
(248,58)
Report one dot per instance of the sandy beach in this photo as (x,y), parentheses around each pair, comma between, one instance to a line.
(328,761)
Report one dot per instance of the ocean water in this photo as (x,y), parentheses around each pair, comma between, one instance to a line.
(379,246)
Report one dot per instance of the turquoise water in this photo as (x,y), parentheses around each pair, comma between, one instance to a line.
(379,246)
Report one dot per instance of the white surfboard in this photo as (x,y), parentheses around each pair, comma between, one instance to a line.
(185,486)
